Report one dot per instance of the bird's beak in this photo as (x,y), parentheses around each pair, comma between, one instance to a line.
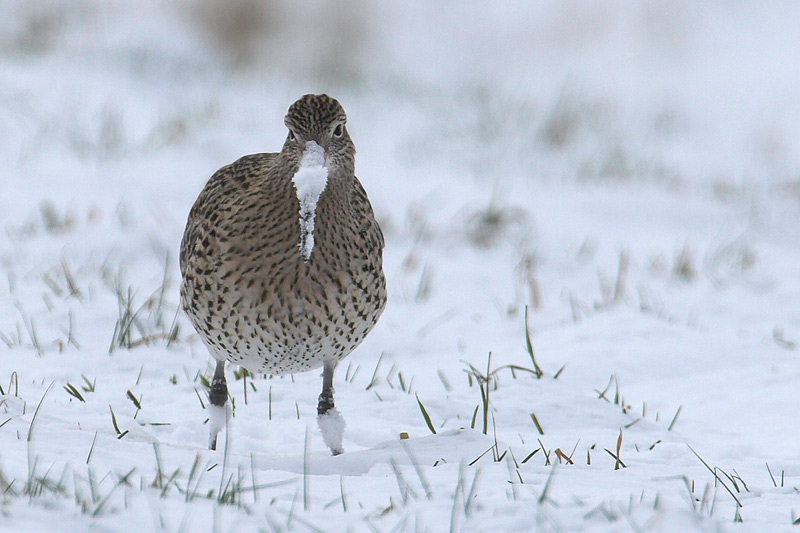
(315,154)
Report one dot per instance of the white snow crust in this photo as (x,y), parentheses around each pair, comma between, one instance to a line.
(309,181)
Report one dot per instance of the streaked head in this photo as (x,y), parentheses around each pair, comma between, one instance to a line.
(318,118)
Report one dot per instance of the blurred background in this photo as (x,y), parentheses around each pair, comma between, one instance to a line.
(671,92)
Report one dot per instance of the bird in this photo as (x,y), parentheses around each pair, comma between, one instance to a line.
(282,261)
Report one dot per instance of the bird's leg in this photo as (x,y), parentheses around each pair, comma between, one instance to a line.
(217,398)
(329,420)
(326,398)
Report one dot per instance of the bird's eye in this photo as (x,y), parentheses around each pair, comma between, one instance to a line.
(291,135)
(338,130)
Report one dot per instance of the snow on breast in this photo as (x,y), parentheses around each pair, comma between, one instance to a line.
(309,181)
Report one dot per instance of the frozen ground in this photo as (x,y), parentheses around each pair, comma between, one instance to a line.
(629,173)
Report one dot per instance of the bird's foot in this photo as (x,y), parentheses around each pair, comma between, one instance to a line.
(325,402)
(217,410)
(218,394)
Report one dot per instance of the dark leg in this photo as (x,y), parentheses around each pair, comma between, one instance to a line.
(330,422)
(326,398)
(217,398)
(219,387)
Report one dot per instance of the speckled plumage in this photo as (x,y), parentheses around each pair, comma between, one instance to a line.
(246,287)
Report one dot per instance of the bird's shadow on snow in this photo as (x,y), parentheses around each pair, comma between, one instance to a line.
(451,446)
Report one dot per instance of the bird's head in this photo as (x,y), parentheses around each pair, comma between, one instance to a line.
(320,119)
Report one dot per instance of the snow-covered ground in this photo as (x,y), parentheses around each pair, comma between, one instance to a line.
(628,172)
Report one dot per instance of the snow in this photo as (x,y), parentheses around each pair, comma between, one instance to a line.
(331,425)
(628,172)
(309,181)
(218,416)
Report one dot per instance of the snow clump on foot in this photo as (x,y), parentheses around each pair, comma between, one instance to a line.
(217,420)
(331,425)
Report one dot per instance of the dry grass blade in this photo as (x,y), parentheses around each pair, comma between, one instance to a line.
(74,392)
(675,418)
(30,327)
(618,462)
(526,271)
(529,347)
(91,449)
(375,379)
(716,476)
(89,385)
(774,483)
(484,385)
(562,456)
(459,491)
(119,433)
(601,395)
(472,493)
(622,274)
(425,415)
(341,491)
(422,480)
(405,489)
(536,422)
(546,488)
(444,380)
(36,412)
(528,457)
(70,279)
(14,380)
(136,402)
(546,453)
(481,456)
(616,458)
(781,340)
(425,282)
